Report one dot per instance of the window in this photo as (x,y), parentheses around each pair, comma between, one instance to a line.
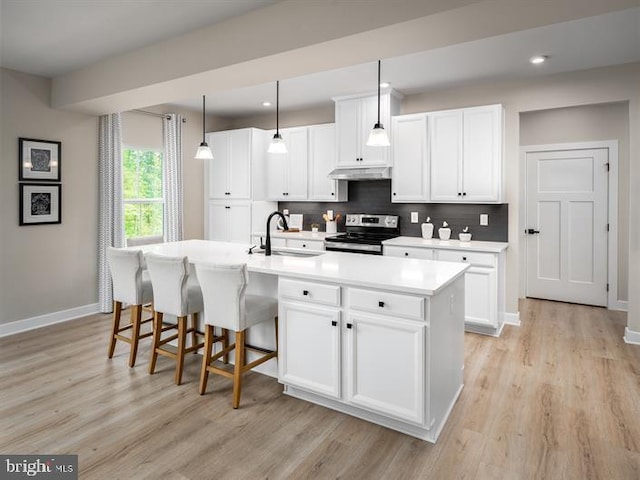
(142,192)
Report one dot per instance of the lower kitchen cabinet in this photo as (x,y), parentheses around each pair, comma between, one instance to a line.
(229,221)
(385,365)
(481,297)
(311,359)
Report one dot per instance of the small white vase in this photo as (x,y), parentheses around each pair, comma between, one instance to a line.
(444,233)
(464,237)
(332,226)
(427,230)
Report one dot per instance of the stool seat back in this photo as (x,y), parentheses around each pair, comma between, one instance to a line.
(223,292)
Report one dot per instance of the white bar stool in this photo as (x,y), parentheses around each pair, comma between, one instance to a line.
(132,286)
(175,293)
(227,306)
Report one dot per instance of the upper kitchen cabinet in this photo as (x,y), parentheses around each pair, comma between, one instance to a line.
(410,158)
(322,159)
(355,117)
(466,155)
(286,173)
(235,152)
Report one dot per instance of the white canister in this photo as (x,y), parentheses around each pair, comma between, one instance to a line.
(444,233)
(427,230)
(332,227)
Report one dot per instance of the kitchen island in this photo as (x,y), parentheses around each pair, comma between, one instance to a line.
(375,337)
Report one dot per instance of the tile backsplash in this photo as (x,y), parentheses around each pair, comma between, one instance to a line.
(374,197)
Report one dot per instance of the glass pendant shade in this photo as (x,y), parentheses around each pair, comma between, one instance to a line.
(378,137)
(277,145)
(203,152)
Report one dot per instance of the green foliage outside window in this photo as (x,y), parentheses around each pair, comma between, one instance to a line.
(142,192)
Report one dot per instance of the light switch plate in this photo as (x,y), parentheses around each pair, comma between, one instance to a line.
(484,219)
(414,217)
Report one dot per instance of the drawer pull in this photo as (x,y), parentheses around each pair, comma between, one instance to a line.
(305,293)
(349,325)
(464,258)
(334,323)
(304,245)
(381,304)
(406,254)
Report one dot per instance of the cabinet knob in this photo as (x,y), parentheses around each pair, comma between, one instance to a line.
(305,292)
(394,194)
(406,254)
(304,245)
(332,194)
(334,323)
(459,194)
(349,325)
(464,258)
(227,207)
(381,304)
(464,193)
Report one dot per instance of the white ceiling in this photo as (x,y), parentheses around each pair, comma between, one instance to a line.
(75,33)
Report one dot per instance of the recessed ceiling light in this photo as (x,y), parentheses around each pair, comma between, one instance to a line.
(384,84)
(266,104)
(538,59)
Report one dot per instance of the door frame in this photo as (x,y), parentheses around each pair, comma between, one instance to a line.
(612,213)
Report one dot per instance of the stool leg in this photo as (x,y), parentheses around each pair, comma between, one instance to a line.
(136,318)
(237,370)
(157,331)
(206,358)
(225,344)
(182,334)
(117,311)
(194,334)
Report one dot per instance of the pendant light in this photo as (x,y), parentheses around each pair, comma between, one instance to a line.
(277,143)
(378,136)
(204,152)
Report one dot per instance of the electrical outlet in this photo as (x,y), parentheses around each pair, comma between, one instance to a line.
(414,217)
(285,211)
(484,219)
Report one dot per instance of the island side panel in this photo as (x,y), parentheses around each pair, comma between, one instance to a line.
(445,352)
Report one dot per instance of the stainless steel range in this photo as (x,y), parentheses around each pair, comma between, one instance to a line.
(364,234)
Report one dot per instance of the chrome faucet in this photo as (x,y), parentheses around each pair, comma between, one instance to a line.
(267,247)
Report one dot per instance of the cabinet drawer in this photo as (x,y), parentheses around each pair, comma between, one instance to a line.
(309,292)
(386,303)
(474,258)
(308,244)
(409,252)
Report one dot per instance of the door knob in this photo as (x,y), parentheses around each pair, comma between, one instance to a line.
(531,231)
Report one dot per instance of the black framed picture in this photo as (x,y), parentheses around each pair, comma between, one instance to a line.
(39,160)
(40,204)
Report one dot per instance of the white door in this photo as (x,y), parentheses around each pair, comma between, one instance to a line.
(309,356)
(322,159)
(297,164)
(239,226)
(218,222)
(218,166)
(386,366)
(240,164)
(445,130)
(409,172)
(347,132)
(567,225)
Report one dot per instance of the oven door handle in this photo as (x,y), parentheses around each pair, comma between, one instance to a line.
(355,247)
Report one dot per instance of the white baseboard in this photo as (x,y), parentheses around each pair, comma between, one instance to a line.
(511,318)
(621,305)
(631,336)
(40,321)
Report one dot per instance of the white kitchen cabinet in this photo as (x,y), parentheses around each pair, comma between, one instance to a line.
(229,221)
(408,252)
(322,159)
(409,176)
(355,117)
(465,155)
(391,383)
(286,173)
(229,172)
(481,285)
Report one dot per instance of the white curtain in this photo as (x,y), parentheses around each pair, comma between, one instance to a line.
(111,223)
(172,177)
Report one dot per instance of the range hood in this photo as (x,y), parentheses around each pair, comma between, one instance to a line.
(360,173)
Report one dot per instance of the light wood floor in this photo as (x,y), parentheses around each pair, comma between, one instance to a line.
(557,398)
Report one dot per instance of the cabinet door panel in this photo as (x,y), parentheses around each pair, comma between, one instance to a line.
(239,225)
(480,296)
(277,175)
(240,164)
(322,159)
(348,132)
(218,221)
(218,167)
(445,129)
(386,366)
(297,164)
(309,355)
(410,159)
(482,153)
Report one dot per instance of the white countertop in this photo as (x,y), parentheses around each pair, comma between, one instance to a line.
(472,246)
(406,275)
(302,235)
